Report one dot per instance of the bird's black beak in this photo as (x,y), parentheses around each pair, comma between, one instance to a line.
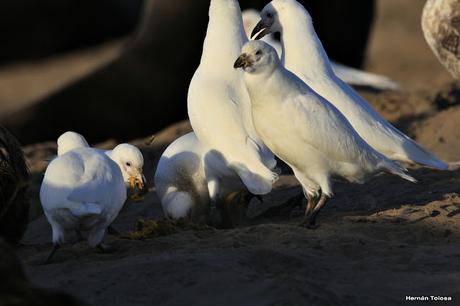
(242,62)
(262,28)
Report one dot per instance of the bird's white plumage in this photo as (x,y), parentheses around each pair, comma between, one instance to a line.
(219,106)
(358,77)
(347,74)
(304,129)
(69,141)
(181,178)
(304,55)
(85,188)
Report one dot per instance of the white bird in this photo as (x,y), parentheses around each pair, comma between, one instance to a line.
(305,130)
(72,140)
(441,27)
(219,105)
(347,74)
(84,189)
(181,179)
(304,55)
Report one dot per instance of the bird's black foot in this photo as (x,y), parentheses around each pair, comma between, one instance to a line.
(309,224)
(51,254)
(113,231)
(80,237)
(258,197)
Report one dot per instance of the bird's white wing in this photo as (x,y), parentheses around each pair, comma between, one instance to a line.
(99,185)
(378,132)
(323,127)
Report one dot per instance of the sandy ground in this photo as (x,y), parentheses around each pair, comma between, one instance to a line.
(376,244)
(399,237)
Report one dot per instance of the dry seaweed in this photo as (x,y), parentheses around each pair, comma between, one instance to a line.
(146,229)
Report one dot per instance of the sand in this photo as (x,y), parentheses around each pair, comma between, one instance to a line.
(377,243)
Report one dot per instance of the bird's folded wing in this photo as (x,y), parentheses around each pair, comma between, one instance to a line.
(323,127)
(96,184)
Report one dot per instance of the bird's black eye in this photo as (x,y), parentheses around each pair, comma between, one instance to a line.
(258,52)
(269,15)
(128,164)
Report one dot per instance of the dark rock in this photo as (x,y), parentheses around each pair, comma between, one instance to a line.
(14,176)
(16,290)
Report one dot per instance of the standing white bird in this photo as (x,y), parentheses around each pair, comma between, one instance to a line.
(304,55)
(180,179)
(84,189)
(347,74)
(441,27)
(305,130)
(219,105)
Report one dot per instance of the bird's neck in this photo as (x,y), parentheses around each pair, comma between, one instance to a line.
(225,35)
(303,52)
(113,156)
(262,86)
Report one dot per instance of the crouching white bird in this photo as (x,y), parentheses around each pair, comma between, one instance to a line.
(347,74)
(219,106)
(305,130)
(85,188)
(181,179)
(304,55)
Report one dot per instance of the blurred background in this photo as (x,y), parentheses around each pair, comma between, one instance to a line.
(120,69)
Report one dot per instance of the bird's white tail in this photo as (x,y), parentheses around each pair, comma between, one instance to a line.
(421,156)
(394,168)
(86,209)
(357,77)
(176,204)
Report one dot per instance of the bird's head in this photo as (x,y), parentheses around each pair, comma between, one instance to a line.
(130,160)
(272,13)
(257,57)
